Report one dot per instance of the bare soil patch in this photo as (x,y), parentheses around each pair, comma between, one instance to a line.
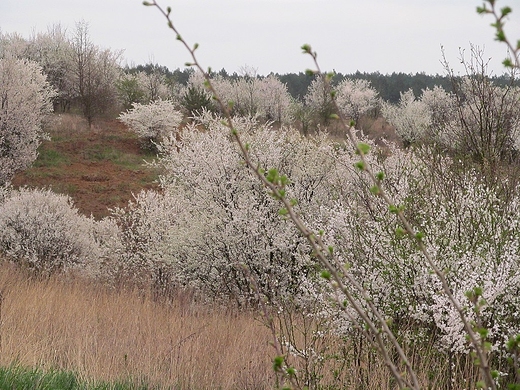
(99,168)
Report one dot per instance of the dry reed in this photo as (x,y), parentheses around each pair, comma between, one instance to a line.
(112,335)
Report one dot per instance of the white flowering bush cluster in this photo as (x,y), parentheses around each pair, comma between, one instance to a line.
(471,233)
(410,117)
(134,245)
(479,119)
(265,98)
(44,232)
(153,122)
(227,226)
(354,98)
(25,101)
(214,227)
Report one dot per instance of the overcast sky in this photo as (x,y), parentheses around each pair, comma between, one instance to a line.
(349,35)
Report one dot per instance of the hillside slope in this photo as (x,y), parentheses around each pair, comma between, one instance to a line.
(99,168)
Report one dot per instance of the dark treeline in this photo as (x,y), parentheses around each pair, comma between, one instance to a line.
(389,86)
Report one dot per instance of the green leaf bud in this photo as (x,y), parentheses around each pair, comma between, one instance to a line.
(400,232)
(375,190)
(360,165)
(283,212)
(278,363)
(363,148)
(505,11)
(306,48)
(272,175)
(325,274)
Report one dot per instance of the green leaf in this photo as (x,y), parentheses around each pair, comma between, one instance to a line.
(283,212)
(400,232)
(380,176)
(334,116)
(306,48)
(360,165)
(375,190)
(363,148)
(272,175)
(483,332)
(278,363)
(505,11)
(325,274)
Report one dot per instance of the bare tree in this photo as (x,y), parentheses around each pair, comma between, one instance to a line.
(94,73)
(488,118)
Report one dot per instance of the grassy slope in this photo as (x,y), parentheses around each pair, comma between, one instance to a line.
(99,168)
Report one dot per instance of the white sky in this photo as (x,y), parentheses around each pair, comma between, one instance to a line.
(349,35)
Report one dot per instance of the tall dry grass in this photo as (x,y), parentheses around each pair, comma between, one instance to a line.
(110,335)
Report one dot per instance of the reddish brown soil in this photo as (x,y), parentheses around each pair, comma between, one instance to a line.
(100,168)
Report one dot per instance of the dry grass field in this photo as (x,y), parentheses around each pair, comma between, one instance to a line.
(109,335)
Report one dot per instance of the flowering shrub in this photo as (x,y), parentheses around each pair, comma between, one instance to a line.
(264,98)
(355,98)
(410,117)
(43,231)
(153,122)
(25,100)
(142,228)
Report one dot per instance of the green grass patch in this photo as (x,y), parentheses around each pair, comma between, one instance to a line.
(102,153)
(23,378)
(50,158)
